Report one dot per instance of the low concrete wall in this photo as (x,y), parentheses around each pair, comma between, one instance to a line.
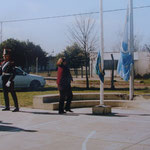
(84,100)
(92,103)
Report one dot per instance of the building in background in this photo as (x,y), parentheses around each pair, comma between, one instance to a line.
(141,63)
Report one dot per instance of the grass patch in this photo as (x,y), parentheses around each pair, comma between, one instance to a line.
(25,98)
(147,81)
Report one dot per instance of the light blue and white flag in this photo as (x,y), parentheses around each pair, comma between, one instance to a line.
(126,61)
(99,71)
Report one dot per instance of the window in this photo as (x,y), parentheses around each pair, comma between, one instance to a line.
(18,71)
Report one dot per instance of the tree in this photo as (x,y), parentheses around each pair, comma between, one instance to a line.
(84,34)
(35,51)
(24,53)
(74,55)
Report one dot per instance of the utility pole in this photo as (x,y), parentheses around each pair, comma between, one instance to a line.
(131,95)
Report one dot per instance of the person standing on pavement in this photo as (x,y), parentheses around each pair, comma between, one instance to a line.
(8,75)
(64,79)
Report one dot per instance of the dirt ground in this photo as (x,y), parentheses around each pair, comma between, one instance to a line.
(95,83)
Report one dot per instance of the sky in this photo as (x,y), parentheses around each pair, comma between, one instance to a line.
(51,34)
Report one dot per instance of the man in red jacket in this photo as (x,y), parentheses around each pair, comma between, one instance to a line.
(64,79)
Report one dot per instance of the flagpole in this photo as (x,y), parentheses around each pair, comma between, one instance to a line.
(101,109)
(102,52)
(131,92)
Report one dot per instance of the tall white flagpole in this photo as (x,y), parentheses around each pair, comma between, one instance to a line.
(101,109)
(102,52)
(131,92)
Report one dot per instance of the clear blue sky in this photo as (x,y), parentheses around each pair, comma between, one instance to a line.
(50,34)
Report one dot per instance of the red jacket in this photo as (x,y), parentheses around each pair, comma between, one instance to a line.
(59,75)
(64,77)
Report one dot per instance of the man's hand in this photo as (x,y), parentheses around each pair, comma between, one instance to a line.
(8,84)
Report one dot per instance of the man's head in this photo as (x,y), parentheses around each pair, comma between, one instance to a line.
(61,61)
(7,54)
(64,61)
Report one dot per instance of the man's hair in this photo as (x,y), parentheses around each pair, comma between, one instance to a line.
(60,61)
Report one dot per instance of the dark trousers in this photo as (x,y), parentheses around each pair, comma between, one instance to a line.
(65,94)
(13,93)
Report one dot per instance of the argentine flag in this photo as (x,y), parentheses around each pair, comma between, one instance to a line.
(98,67)
(126,61)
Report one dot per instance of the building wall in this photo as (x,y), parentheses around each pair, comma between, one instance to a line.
(142,66)
(141,63)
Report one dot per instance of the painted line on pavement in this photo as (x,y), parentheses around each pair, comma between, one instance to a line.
(86,140)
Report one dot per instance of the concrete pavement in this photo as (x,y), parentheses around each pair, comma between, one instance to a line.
(34,129)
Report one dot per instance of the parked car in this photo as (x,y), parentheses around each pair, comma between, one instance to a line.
(25,80)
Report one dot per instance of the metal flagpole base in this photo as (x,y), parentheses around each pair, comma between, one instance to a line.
(101,110)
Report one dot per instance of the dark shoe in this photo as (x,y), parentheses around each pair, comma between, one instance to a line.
(16,110)
(69,110)
(62,112)
(6,109)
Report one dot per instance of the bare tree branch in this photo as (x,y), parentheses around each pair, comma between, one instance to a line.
(83,33)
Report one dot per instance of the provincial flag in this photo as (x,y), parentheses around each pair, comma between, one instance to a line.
(98,67)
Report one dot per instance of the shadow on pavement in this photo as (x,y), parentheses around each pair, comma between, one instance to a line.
(122,115)
(75,114)
(105,115)
(1,122)
(14,129)
(49,113)
(78,114)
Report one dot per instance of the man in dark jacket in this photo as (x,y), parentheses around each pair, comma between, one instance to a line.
(64,79)
(8,75)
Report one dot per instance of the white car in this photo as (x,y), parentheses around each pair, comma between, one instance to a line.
(25,80)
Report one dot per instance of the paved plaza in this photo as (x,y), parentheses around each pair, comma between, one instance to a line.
(34,129)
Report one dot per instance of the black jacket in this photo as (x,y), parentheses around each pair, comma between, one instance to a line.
(7,70)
